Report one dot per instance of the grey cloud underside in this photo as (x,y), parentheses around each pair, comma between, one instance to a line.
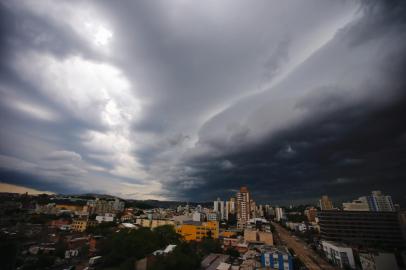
(293,100)
(345,137)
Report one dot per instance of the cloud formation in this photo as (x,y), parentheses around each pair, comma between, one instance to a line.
(182,100)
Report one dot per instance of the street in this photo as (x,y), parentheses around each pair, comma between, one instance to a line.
(309,258)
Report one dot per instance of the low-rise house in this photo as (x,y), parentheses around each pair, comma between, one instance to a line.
(213,261)
(153,223)
(250,264)
(77,243)
(257,236)
(80,225)
(338,254)
(94,244)
(277,258)
(164,251)
(130,226)
(107,217)
(378,261)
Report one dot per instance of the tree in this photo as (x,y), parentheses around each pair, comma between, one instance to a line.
(167,235)
(209,245)
(184,257)
(60,248)
(8,253)
(233,252)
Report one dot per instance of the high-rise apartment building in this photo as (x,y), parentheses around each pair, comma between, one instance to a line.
(279,214)
(232,205)
(243,207)
(379,202)
(325,203)
(230,208)
(218,206)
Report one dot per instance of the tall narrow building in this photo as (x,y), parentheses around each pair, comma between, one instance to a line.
(243,207)
(325,203)
(218,206)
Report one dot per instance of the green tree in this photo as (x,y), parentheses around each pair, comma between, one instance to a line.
(233,252)
(60,248)
(8,253)
(167,235)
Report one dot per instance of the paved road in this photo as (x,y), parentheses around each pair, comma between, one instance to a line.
(309,258)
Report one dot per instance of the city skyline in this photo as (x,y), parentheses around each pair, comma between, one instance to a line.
(181,101)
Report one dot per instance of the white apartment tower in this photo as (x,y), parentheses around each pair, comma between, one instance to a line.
(218,206)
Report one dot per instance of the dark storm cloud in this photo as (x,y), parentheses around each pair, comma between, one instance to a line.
(351,139)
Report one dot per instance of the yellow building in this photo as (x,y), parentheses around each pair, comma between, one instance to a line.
(153,223)
(228,234)
(195,231)
(80,225)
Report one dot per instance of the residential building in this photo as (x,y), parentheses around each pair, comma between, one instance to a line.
(277,258)
(249,264)
(80,225)
(182,219)
(118,206)
(196,231)
(107,217)
(260,224)
(230,208)
(198,216)
(250,235)
(361,204)
(243,207)
(253,208)
(339,254)
(253,235)
(279,214)
(361,228)
(325,203)
(214,216)
(379,202)
(311,214)
(218,206)
(378,261)
(153,223)
(232,205)
(213,261)
(94,244)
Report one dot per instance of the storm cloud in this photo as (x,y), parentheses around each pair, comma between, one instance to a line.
(190,100)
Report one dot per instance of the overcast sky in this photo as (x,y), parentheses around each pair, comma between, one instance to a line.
(192,99)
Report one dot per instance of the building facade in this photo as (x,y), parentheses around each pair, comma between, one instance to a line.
(80,225)
(368,229)
(378,261)
(279,214)
(339,254)
(379,202)
(153,223)
(361,204)
(218,206)
(277,258)
(325,203)
(196,231)
(243,207)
